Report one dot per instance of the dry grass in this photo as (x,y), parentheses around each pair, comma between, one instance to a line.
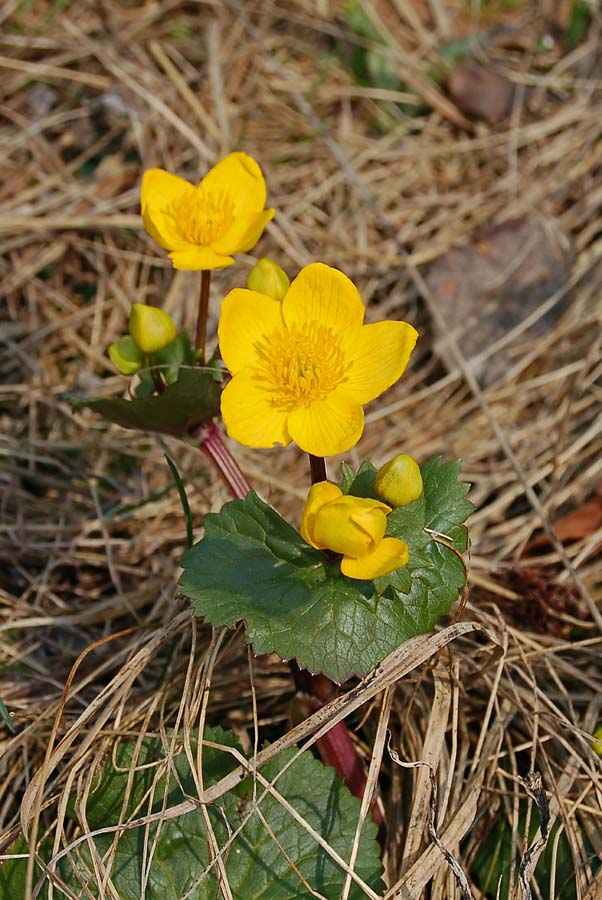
(91,528)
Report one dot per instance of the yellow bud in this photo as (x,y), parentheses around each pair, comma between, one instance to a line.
(399,481)
(321,493)
(349,525)
(151,328)
(354,527)
(597,744)
(268,278)
(126,356)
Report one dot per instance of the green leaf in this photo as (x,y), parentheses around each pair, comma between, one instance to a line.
(362,483)
(13,871)
(253,566)
(347,477)
(183,498)
(185,404)
(447,506)
(256,867)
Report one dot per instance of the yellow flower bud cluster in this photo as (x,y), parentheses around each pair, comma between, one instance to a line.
(355,526)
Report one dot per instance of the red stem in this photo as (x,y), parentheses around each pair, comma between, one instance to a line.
(317,468)
(223,461)
(201,319)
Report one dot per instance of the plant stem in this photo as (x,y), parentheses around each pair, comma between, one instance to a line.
(223,461)
(317,468)
(159,380)
(201,319)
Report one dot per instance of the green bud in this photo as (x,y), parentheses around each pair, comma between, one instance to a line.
(126,356)
(268,278)
(151,328)
(399,481)
(597,744)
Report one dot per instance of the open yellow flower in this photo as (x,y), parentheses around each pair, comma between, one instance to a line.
(203,226)
(355,527)
(303,367)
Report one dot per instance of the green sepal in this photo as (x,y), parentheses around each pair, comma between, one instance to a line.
(126,356)
(177,354)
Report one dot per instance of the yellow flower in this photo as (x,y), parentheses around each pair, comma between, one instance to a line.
(203,226)
(597,744)
(266,277)
(399,481)
(355,527)
(151,328)
(303,367)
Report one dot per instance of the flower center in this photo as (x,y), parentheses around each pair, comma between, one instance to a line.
(202,218)
(300,365)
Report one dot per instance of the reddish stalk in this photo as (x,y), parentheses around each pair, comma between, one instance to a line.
(317,468)
(201,319)
(159,380)
(224,462)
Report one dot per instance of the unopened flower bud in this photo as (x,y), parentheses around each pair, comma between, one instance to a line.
(126,356)
(267,277)
(151,328)
(399,481)
(597,744)
(354,527)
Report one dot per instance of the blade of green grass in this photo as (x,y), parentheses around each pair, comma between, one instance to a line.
(6,716)
(183,499)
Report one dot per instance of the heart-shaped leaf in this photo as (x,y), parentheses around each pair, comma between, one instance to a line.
(253,566)
(183,405)
(271,857)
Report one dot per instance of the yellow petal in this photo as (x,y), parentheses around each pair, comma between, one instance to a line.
(244,232)
(240,178)
(389,555)
(323,294)
(350,525)
(193,257)
(249,416)
(327,427)
(319,494)
(245,318)
(160,193)
(380,353)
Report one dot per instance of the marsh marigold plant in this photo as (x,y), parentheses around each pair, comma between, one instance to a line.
(355,527)
(302,368)
(203,227)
